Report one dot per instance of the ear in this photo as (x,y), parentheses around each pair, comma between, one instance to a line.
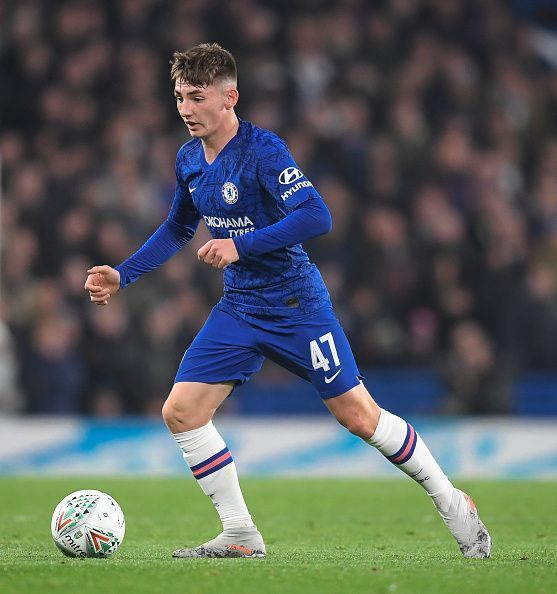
(231,97)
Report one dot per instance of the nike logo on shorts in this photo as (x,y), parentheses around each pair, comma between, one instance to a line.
(328,380)
(192,189)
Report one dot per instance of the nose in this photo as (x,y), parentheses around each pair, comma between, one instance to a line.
(184,109)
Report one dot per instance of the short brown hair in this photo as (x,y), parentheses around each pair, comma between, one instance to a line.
(201,65)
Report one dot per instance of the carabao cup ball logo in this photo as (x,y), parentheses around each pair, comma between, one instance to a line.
(230,193)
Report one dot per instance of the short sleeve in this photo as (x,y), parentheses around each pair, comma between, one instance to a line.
(281,177)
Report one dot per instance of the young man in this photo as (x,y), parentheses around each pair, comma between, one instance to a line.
(259,207)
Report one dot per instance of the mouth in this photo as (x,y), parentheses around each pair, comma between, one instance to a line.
(191,124)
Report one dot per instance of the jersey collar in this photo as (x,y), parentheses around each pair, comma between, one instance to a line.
(225,149)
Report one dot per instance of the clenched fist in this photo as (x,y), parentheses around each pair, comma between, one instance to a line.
(218,253)
(102,282)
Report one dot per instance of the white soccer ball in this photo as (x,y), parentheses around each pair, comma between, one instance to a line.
(88,524)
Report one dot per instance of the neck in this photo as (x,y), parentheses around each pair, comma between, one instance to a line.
(214,144)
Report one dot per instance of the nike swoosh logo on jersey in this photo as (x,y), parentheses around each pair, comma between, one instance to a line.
(328,380)
(192,190)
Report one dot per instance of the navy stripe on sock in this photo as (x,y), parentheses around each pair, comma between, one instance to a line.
(209,460)
(215,468)
(408,446)
(403,446)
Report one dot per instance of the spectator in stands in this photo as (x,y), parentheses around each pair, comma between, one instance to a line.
(445,187)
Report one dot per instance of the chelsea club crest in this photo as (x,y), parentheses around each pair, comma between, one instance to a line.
(230,193)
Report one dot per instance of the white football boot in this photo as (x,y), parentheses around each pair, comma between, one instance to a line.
(237,542)
(463,521)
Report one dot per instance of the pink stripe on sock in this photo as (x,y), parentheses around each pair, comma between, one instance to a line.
(212,464)
(407,448)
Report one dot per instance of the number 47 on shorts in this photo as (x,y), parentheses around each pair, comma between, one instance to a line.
(318,359)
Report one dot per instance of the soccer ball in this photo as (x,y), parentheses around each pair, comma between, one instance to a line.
(88,524)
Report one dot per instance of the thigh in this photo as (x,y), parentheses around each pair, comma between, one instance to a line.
(223,351)
(316,349)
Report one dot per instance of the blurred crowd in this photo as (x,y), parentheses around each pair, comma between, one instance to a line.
(428,126)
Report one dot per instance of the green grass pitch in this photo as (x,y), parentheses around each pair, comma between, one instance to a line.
(337,535)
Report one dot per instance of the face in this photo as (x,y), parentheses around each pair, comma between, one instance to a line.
(204,109)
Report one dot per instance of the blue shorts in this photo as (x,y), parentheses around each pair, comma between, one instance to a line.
(231,346)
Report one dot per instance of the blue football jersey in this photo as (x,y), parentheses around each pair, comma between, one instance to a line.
(253,183)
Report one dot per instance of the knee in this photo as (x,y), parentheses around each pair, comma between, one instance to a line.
(356,410)
(361,422)
(180,417)
(168,412)
(360,426)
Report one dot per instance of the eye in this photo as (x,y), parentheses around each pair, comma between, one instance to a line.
(178,99)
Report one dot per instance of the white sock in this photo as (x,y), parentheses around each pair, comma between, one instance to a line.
(399,442)
(212,465)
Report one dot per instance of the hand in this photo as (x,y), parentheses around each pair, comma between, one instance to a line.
(102,282)
(218,253)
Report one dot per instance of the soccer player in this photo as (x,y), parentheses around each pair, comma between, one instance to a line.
(259,207)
